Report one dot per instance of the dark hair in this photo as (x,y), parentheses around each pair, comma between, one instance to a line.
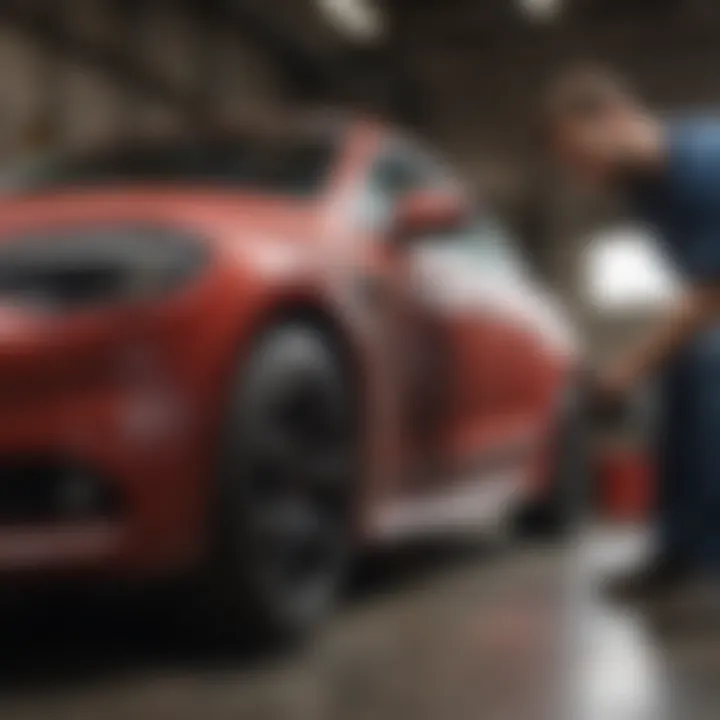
(582,92)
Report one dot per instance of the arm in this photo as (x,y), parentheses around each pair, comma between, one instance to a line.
(695,183)
(697,309)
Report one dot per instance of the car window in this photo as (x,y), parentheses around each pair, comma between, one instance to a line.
(485,244)
(397,171)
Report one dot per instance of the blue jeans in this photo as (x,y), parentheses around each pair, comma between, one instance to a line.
(689,454)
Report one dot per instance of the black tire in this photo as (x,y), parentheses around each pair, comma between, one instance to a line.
(288,466)
(568,498)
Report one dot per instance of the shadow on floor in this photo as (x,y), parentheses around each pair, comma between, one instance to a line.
(52,640)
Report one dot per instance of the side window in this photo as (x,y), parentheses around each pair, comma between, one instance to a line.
(485,244)
(395,173)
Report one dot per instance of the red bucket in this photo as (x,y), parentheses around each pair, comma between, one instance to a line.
(627,483)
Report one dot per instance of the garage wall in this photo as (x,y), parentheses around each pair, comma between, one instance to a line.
(52,99)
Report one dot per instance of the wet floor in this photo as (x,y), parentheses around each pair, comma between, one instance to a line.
(434,633)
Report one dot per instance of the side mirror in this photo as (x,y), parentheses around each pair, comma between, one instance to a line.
(427,212)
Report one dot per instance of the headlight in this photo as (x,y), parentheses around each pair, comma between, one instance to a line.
(89,266)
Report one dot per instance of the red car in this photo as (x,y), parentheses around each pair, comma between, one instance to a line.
(240,359)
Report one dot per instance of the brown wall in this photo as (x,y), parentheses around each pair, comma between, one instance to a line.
(51,98)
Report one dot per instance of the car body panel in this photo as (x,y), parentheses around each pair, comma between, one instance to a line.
(139,389)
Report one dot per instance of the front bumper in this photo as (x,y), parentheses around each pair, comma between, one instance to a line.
(62,547)
(138,508)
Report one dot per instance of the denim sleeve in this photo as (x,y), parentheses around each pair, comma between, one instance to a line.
(703,254)
(699,188)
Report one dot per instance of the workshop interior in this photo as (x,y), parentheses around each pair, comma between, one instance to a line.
(304,337)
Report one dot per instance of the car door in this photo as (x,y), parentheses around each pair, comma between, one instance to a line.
(500,290)
(444,343)
(448,351)
(384,277)
(458,290)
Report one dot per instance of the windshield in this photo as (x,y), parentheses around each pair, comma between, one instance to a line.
(297,167)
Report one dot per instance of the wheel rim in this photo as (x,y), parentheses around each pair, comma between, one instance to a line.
(299,459)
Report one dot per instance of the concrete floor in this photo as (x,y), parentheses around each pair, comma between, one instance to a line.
(437,633)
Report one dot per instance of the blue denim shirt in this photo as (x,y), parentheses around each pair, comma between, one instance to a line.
(682,204)
(682,207)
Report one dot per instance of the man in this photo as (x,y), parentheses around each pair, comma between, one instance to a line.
(607,137)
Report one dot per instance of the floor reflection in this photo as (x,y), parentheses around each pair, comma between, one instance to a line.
(521,634)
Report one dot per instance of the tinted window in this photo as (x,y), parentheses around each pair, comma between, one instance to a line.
(395,173)
(285,167)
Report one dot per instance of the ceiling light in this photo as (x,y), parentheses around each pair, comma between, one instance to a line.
(360,19)
(541,9)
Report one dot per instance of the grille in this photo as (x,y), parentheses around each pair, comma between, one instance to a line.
(38,491)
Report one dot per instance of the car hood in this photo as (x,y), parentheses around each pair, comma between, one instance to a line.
(216,214)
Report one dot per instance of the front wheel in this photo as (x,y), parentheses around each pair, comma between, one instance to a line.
(285,488)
